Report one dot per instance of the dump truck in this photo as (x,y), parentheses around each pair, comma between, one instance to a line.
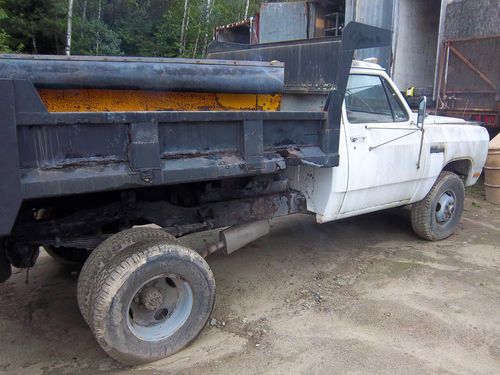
(93,150)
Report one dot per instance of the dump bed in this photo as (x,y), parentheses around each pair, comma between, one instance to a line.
(46,154)
(50,154)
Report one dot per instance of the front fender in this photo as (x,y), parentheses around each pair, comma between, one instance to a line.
(447,143)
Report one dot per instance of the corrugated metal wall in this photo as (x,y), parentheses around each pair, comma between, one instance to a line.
(411,59)
(378,13)
(416,42)
(283,21)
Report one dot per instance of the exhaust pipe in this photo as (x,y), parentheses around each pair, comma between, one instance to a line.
(236,237)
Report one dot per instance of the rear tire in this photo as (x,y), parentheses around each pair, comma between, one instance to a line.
(153,300)
(437,216)
(103,254)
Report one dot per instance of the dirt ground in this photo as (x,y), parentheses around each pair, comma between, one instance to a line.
(358,296)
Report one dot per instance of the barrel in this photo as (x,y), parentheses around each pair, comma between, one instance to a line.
(492,172)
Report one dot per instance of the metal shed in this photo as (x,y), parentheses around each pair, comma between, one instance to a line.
(445,49)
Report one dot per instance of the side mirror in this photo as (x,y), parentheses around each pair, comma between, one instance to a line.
(422,112)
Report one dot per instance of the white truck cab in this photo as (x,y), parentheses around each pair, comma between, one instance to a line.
(387,159)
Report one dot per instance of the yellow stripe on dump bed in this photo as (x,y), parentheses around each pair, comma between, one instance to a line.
(96,100)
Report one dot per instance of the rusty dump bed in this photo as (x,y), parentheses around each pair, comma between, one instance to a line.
(46,153)
(131,84)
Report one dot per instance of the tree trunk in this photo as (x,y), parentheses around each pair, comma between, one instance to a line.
(33,43)
(84,16)
(246,9)
(84,11)
(98,36)
(184,27)
(208,13)
(196,44)
(70,26)
(33,40)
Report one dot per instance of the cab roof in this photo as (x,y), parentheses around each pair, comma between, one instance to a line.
(366,65)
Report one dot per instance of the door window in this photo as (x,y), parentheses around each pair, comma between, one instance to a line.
(369,99)
(399,113)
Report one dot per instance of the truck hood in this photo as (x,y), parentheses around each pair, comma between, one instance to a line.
(443,120)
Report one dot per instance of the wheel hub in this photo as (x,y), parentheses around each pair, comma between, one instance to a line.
(445,207)
(151,298)
(160,307)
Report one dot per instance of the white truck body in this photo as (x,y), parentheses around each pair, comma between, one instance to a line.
(379,160)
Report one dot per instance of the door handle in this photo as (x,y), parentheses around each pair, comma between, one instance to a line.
(355,139)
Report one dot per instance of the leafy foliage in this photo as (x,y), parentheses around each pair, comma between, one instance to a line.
(34,26)
(116,27)
(4,46)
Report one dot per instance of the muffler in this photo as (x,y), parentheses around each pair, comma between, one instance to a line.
(236,237)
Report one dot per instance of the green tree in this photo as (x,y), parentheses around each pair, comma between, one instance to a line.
(92,35)
(137,22)
(35,26)
(167,39)
(199,28)
(4,43)
(117,27)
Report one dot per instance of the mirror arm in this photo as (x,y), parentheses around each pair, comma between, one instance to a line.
(421,146)
(422,112)
(392,140)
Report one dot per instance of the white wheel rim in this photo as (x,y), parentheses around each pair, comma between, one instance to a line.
(445,208)
(159,307)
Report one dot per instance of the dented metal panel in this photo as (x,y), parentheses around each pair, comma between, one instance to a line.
(165,148)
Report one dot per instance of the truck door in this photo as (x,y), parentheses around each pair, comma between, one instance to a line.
(383,146)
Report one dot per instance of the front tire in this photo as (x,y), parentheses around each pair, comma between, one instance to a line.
(437,216)
(153,300)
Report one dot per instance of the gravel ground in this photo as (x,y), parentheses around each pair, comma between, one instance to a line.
(358,296)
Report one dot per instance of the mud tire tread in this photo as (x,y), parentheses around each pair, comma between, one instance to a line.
(116,273)
(103,254)
(422,212)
